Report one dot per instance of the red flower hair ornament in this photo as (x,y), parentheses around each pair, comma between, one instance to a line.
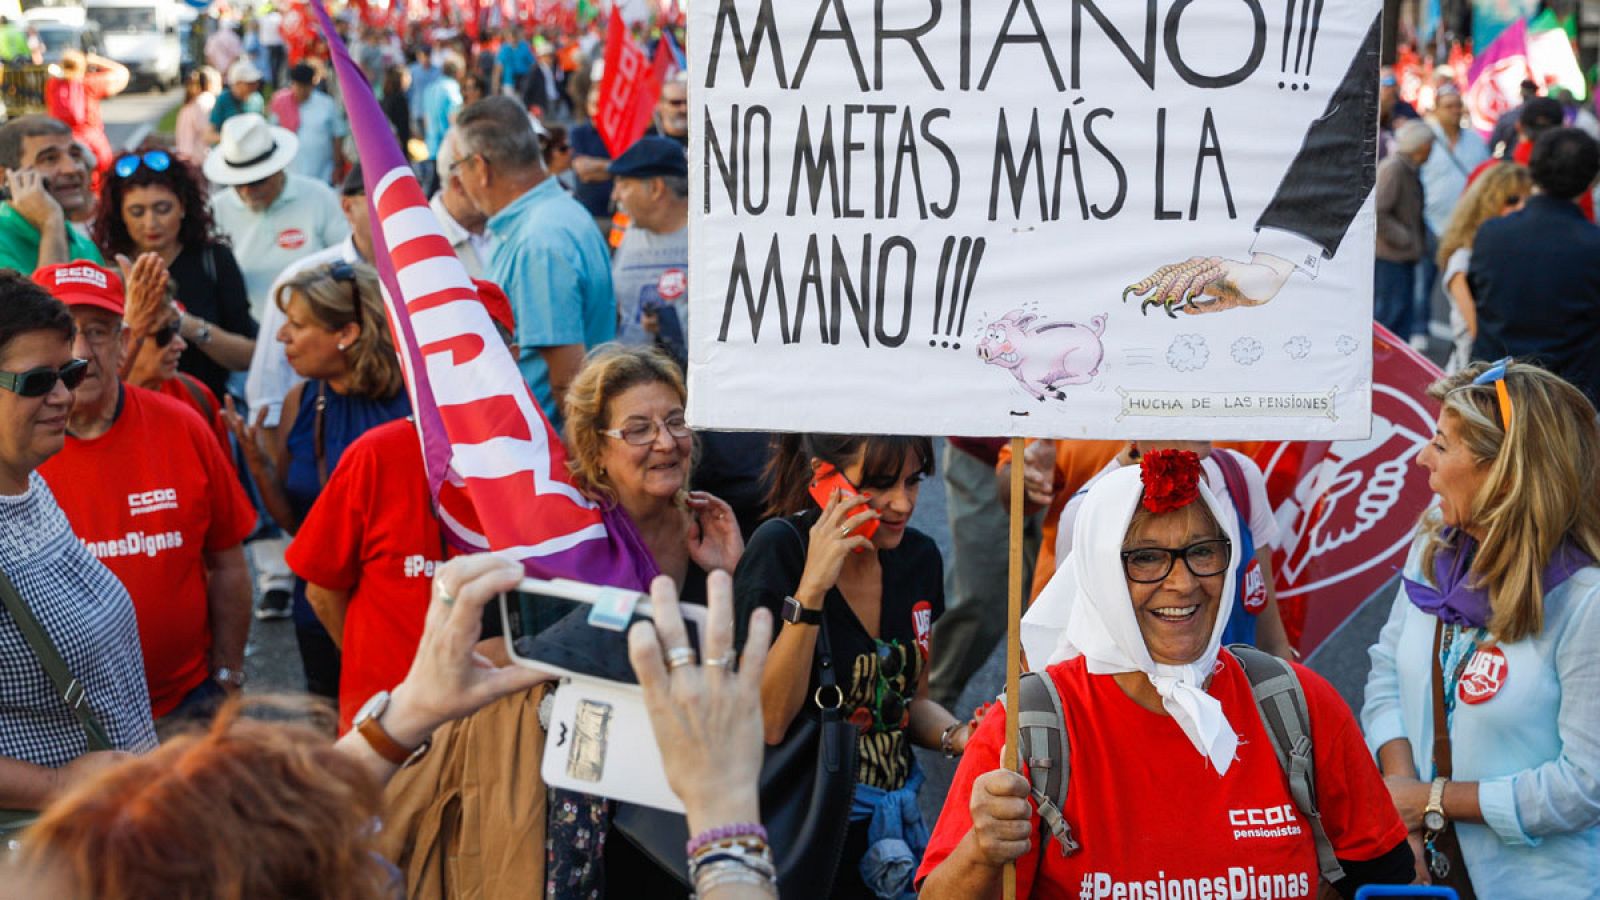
(1171,479)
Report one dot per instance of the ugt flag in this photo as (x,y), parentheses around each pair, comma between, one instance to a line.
(496,469)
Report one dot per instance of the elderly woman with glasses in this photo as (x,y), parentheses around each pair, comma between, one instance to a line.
(155,202)
(1483,704)
(1174,788)
(336,336)
(630,450)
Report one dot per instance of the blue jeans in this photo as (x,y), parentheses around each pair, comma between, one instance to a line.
(1427,278)
(1394,291)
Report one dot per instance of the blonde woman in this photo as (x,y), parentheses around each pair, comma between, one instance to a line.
(1490,646)
(1497,192)
(335,336)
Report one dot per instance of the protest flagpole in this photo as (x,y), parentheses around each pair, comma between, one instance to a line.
(1013,639)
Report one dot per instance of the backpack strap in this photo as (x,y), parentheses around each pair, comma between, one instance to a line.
(1282,702)
(1044,746)
(1233,477)
(200,394)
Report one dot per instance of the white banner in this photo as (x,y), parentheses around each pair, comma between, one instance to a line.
(1049,218)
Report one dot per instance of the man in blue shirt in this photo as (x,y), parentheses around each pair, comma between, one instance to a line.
(549,258)
(512,62)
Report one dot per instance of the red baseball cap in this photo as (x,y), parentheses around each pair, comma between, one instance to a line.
(82,283)
(497,303)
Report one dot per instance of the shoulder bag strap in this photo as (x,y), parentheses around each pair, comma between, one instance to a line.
(1281,700)
(316,434)
(1233,477)
(1441,720)
(71,690)
(198,392)
(827,680)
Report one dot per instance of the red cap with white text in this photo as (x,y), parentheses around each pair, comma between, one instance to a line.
(82,283)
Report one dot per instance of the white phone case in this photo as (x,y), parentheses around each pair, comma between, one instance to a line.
(600,742)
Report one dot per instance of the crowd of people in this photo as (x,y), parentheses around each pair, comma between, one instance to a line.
(204,421)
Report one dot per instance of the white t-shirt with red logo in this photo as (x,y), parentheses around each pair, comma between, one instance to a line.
(1157,822)
(650,270)
(150,498)
(305,218)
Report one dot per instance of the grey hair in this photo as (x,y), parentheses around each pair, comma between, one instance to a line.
(445,159)
(498,129)
(677,184)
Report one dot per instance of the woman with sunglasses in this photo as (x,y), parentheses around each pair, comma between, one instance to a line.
(154,202)
(336,336)
(1499,191)
(1483,704)
(857,590)
(155,368)
(1174,788)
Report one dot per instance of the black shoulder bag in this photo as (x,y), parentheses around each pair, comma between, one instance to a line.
(808,784)
(67,687)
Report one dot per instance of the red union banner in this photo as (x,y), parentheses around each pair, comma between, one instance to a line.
(628,90)
(1348,509)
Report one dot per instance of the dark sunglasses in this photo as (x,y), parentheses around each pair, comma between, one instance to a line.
(154,160)
(41,381)
(164,335)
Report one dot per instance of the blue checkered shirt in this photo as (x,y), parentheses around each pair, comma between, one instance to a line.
(88,615)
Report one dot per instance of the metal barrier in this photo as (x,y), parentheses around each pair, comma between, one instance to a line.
(22,89)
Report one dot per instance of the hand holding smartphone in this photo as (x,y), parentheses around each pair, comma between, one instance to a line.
(829,479)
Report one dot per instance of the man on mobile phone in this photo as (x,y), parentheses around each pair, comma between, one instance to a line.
(46,175)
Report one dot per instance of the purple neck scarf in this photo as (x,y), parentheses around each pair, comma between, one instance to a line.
(1456,601)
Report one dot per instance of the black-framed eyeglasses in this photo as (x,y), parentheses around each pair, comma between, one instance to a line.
(643,434)
(154,160)
(42,380)
(1152,565)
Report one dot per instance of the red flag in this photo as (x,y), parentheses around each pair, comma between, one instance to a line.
(628,91)
(1348,509)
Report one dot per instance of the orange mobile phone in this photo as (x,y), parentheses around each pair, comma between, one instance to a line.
(828,480)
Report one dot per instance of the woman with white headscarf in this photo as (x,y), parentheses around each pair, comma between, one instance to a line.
(1175,790)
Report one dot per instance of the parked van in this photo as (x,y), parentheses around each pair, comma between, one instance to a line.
(142,35)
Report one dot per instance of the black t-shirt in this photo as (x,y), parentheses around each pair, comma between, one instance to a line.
(878,676)
(213,291)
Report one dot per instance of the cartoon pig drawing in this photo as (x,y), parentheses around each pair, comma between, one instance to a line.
(1044,356)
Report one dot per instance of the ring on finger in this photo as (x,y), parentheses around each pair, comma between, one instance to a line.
(725,662)
(444,596)
(678,657)
(844,532)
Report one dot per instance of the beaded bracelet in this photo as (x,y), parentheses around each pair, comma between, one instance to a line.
(728,873)
(726,832)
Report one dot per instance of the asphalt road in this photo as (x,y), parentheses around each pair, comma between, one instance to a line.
(130,117)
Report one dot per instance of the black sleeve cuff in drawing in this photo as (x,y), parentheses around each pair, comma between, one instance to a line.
(1314,198)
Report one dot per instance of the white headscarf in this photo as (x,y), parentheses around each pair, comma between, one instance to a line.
(1102,627)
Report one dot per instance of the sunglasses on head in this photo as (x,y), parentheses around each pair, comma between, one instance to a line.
(42,380)
(1496,375)
(154,160)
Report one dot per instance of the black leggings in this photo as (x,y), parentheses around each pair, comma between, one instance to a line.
(319,657)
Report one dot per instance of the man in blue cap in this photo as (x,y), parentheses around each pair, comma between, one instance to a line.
(649,274)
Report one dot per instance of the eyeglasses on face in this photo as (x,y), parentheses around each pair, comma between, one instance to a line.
(154,160)
(643,434)
(42,380)
(1152,565)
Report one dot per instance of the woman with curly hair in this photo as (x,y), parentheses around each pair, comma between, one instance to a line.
(1498,192)
(336,336)
(153,201)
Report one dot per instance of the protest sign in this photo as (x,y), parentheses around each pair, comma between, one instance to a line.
(1077,219)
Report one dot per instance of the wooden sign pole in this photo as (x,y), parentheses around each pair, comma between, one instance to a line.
(1014,637)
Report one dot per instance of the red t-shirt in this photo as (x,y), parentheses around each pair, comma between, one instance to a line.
(150,498)
(1154,818)
(373,532)
(193,393)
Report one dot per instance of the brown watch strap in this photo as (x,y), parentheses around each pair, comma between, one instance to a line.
(383,744)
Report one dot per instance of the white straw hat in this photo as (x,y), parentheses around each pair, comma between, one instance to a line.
(249,151)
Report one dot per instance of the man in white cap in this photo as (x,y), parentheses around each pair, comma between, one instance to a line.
(274,218)
(1402,235)
(242,96)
